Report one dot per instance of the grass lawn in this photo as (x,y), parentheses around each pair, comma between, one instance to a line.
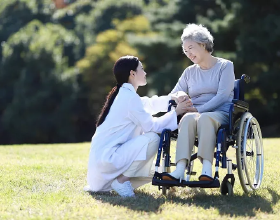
(46,182)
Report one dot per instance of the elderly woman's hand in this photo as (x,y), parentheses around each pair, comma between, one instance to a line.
(179,97)
(183,106)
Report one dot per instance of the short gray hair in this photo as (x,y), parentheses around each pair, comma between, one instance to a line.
(199,34)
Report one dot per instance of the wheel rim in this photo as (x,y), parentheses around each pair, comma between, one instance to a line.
(239,154)
(250,160)
(253,153)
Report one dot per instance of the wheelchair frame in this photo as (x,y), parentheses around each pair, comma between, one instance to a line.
(242,133)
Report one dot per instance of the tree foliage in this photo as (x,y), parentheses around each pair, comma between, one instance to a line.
(56,65)
(38,94)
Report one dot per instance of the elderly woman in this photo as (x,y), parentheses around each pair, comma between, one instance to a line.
(209,82)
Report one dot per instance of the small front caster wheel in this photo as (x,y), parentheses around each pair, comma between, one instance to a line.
(226,188)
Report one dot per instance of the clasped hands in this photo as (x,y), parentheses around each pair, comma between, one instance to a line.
(184,103)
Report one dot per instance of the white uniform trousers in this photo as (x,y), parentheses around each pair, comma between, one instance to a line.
(141,171)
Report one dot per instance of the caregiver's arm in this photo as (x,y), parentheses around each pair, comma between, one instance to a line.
(142,118)
(160,104)
(155,104)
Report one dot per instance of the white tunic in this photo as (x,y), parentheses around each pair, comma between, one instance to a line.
(127,119)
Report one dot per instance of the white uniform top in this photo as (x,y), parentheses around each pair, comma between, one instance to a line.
(128,118)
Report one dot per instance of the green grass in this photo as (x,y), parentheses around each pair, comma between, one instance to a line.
(46,182)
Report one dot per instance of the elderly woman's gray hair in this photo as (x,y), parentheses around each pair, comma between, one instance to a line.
(199,34)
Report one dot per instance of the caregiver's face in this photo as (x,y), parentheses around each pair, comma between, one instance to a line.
(140,76)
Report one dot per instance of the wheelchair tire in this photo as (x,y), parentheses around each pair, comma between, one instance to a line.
(249,153)
(226,188)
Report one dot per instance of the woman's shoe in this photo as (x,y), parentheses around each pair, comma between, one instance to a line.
(205,178)
(167,176)
(123,189)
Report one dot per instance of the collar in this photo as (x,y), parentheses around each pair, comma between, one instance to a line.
(128,86)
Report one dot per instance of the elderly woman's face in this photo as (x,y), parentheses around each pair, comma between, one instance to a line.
(194,51)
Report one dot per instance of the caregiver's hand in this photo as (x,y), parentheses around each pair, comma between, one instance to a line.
(179,97)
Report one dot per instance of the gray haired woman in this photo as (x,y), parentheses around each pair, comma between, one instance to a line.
(209,82)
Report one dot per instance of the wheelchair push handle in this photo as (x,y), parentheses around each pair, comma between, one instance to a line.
(246,78)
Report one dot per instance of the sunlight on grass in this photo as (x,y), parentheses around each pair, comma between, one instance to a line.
(46,182)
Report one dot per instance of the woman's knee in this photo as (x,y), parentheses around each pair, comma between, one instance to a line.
(153,143)
(205,120)
(154,137)
(188,119)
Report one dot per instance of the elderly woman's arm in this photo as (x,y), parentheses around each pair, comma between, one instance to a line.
(181,85)
(180,91)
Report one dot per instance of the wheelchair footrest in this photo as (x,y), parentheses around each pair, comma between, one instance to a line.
(203,184)
(158,181)
(166,183)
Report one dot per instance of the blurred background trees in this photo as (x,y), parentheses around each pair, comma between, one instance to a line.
(56,58)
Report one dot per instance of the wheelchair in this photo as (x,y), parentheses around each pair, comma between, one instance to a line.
(242,133)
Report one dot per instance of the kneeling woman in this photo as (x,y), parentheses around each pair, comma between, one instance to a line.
(126,141)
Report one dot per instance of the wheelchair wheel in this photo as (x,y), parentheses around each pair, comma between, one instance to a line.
(249,153)
(226,188)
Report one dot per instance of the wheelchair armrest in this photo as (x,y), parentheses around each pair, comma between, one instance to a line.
(240,103)
(237,108)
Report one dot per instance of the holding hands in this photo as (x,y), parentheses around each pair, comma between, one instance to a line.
(184,103)
(179,97)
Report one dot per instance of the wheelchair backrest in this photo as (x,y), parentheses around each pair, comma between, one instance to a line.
(239,87)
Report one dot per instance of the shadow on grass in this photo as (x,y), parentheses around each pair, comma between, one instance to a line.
(239,205)
(143,201)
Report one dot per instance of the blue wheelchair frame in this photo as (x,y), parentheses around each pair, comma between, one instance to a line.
(226,136)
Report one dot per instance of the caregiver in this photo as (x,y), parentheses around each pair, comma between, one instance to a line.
(126,140)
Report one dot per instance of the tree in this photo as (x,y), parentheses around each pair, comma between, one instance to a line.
(96,67)
(38,94)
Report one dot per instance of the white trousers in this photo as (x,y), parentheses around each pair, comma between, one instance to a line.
(205,127)
(140,171)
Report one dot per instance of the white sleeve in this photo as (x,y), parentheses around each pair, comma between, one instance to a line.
(146,121)
(155,104)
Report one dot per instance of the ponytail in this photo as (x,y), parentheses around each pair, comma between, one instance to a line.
(121,70)
(106,108)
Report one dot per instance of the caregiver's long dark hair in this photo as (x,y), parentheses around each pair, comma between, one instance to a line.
(122,69)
